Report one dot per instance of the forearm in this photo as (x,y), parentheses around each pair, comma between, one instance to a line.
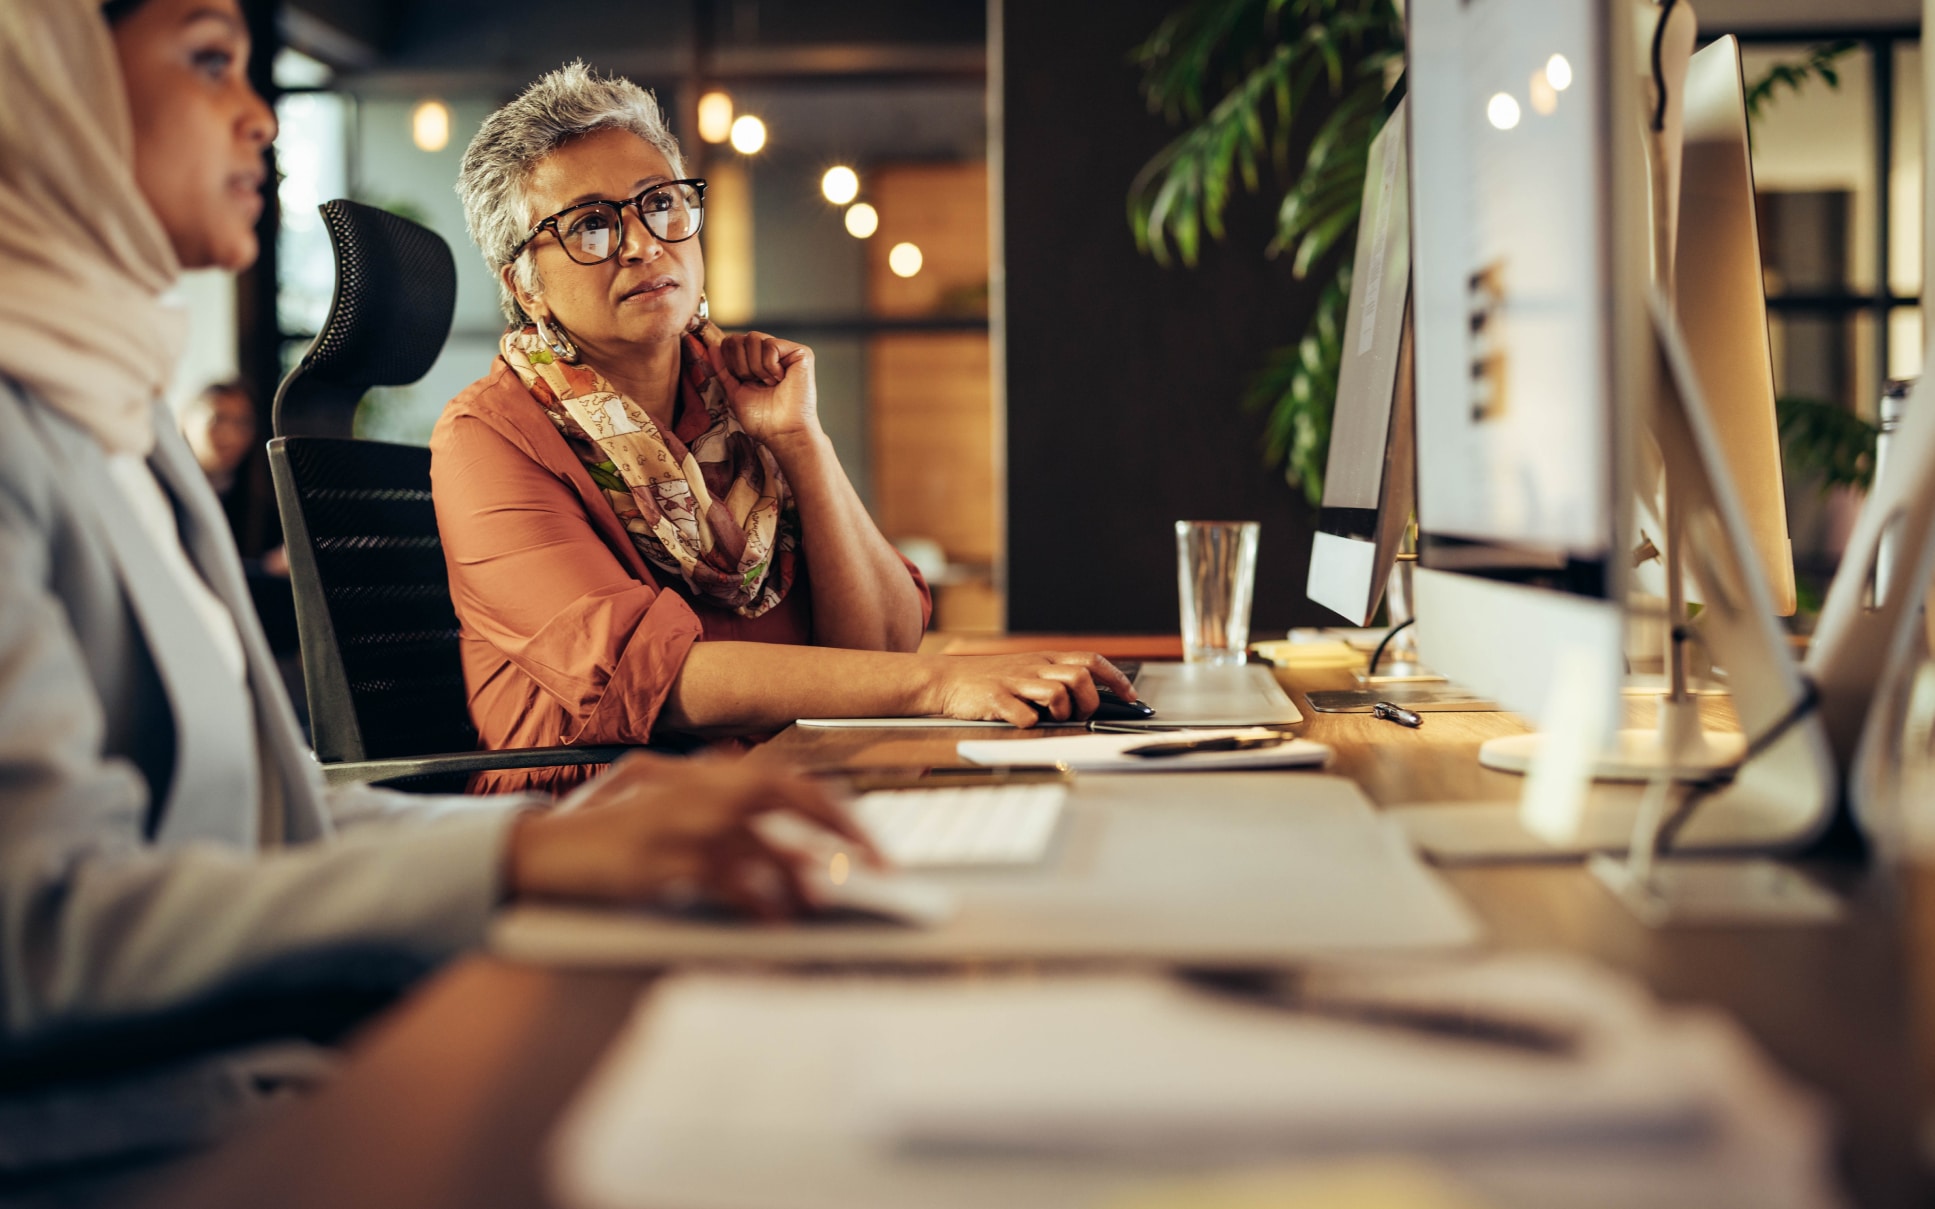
(745,687)
(90,932)
(863,598)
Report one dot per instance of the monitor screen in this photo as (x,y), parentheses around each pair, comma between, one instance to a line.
(1515,415)
(1530,263)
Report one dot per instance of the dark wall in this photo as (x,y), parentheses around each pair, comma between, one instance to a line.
(1124,378)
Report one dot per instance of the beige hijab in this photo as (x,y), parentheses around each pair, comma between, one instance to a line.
(84,262)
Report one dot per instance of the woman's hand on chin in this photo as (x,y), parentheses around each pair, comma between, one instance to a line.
(769,383)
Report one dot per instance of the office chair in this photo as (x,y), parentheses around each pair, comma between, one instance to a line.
(378,633)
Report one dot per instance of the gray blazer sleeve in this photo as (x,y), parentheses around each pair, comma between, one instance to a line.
(96,921)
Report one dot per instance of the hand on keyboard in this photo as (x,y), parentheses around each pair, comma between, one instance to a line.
(677,833)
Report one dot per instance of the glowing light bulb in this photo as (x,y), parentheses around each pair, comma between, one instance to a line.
(715,117)
(840,185)
(862,221)
(748,134)
(430,126)
(1544,97)
(904,260)
(1558,73)
(1502,110)
(837,869)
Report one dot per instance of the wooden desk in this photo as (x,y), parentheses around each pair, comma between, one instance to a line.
(448,1100)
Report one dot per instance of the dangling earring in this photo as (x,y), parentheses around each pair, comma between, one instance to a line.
(701,317)
(559,344)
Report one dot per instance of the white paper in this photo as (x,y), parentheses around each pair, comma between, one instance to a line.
(1134,1069)
(1105,753)
(801,1093)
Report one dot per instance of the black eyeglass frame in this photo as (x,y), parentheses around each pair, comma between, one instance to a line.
(636,204)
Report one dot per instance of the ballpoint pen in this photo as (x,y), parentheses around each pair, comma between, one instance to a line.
(1184,747)
(1450,1019)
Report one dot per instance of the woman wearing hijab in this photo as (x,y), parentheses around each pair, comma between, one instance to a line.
(645,524)
(165,839)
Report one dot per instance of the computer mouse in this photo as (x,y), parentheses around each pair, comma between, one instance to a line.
(1115,709)
(1111,709)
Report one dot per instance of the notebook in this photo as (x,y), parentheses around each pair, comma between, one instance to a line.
(1110,753)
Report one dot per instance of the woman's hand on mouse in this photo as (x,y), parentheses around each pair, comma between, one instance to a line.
(662,831)
(1008,688)
(770,384)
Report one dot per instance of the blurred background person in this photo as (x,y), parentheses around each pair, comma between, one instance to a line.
(219,425)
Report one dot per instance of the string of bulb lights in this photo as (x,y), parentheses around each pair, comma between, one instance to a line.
(746,133)
(719,122)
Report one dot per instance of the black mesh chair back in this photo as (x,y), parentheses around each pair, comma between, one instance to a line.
(379,635)
(396,290)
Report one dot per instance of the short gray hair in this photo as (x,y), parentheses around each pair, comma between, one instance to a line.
(562,105)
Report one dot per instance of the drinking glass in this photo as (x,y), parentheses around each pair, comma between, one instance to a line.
(1215,573)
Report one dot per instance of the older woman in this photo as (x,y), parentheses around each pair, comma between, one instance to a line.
(645,524)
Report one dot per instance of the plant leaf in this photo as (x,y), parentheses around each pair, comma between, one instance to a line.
(1244,72)
(1822,62)
(1827,443)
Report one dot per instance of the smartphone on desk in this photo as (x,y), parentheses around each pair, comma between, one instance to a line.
(1421,698)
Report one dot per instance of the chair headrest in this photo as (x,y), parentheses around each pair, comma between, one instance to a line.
(396,291)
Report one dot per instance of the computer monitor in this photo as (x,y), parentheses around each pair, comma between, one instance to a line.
(1722,305)
(1368,475)
(1531,255)
(1544,357)
(1706,255)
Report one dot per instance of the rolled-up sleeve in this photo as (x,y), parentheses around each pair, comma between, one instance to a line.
(920,585)
(530,576)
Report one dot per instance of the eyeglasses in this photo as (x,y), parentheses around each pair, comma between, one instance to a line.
(591,232)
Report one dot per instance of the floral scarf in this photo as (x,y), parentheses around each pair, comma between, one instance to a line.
(717,513)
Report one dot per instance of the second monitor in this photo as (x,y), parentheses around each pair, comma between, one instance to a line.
(1368,474)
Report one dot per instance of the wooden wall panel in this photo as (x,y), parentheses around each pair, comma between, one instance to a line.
(943,210)
(933,441)
(930,395)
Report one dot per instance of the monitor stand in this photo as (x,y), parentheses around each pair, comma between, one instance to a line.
(1716,892)
(1778,798)
(1870,642)
(1654,684)
(1396,660)
(1678,745)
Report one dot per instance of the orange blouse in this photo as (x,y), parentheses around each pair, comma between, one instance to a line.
(568,635)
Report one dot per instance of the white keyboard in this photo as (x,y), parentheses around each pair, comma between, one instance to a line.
(961,824)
